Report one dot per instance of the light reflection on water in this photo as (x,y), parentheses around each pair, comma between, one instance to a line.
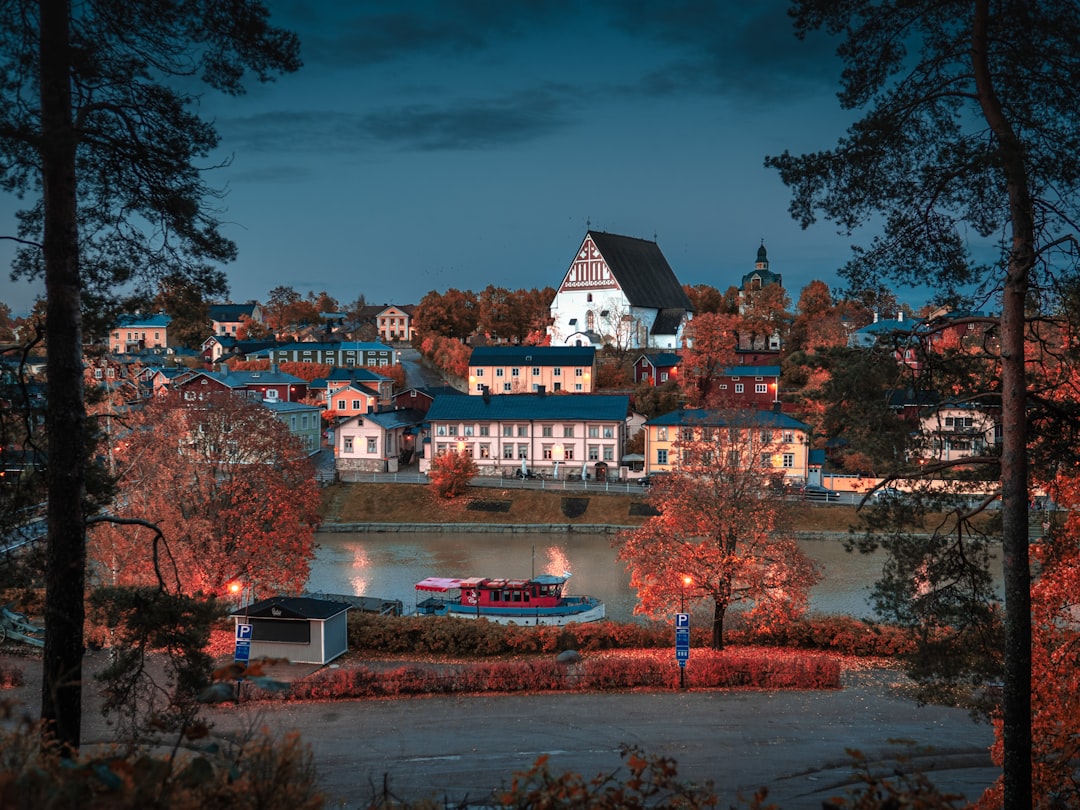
(388,565)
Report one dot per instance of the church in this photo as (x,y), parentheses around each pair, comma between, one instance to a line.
(619,291)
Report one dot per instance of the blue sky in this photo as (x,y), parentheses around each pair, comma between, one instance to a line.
(461,143)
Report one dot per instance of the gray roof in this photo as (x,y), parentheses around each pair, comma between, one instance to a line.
(291,607)
(643,273)
(518,407)
(388,420)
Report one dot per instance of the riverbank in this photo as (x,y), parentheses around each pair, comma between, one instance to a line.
(413,507)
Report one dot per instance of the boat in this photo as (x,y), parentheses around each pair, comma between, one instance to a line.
(536,601)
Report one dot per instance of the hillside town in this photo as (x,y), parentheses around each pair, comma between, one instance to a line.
(594,378)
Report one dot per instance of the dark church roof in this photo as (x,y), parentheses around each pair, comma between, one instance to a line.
(667,322)
(643,273)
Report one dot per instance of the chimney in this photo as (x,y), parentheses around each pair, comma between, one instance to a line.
(486,394)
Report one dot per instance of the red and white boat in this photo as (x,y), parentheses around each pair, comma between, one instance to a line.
(538,600)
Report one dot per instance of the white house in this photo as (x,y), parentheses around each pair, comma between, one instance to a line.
(619,291)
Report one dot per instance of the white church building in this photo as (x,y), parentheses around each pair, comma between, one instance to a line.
(619,291)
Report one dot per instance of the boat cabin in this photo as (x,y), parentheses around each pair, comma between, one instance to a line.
(539,592)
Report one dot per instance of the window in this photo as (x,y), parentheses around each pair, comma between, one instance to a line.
(499,372)
(523,451)
(485,430)
(485,451)
(547,431)
(594,431)
(372,445)
(479,372)
(766,436)
(761,388)
(766,459)
(556,372)
(661,434)
(303,421)
(579,387)
(789,460)
(547,451)
(480,387)
(609,453)
(508,430)
(788,437)
(515,372)
(739,388)
(348,444)
(568,431)
(661,456)
(568,454)
(594,452)
(508,451)
(523,431)
(440,430)
(579,372)
(556,386)
(609,432)
(536,371)
(663,376)
(734,459)
(356,404)
(507,387)
(468,430)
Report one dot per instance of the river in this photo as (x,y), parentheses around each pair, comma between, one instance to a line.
(388,565)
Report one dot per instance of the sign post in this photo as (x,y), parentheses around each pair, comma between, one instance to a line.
(682,645)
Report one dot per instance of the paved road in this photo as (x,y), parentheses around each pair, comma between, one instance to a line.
(456,747)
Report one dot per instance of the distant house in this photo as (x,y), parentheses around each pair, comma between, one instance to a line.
(219,348)
(420,399)
(303,421)
(134,334)
(528,369)
(352,399)
(656,368)
(760,278)
(956,430)
(226,319)
(339,355)
(376,442)
(749,387)
(343,377)
(556,435)
(272,385)
(394,323)
(619,291)
(780,442)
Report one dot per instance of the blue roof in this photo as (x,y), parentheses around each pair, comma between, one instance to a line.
(344,346)
(532,355)
(710,418)
(355,374)
(158,320)
(752,371)
(284,407)
(388,420)
(518,407)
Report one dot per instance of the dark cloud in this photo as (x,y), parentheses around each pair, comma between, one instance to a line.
(460,125)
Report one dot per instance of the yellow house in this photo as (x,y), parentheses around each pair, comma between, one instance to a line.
(532,369)
(777,443)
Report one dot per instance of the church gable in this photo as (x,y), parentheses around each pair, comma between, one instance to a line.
(589,271)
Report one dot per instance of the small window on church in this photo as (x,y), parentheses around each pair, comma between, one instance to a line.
(588,298)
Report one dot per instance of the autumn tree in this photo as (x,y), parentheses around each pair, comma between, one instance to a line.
(765,315)
(229,488)
(952,146)
(98,127)
(251,329)
(451,473)
(706,299)
(720,525)
(186,301)
(452,314)
(711,343)
(285,309)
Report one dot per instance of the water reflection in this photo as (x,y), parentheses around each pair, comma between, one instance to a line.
(389,565)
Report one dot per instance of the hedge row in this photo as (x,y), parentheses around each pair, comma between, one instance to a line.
(707,670)
(426,635)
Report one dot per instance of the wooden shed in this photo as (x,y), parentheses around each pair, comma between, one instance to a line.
(302,629)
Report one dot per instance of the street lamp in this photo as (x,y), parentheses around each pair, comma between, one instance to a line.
(687,581)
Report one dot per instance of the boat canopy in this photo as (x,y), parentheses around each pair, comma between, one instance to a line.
(444,584)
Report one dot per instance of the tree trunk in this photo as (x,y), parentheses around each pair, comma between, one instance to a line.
(1016,697)
(61,693)
(719,609)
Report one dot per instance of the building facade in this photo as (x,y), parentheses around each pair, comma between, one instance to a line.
(530,369)
(332,354)
(778,444)
(134,334)
(557,436)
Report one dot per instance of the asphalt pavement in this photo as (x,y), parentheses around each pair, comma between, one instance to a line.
(462,748)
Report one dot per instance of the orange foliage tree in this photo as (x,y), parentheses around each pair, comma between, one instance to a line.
(451,473)
(230,489)
(718,533)
(305,371)
(1055,666)
(711,343)
(447,354)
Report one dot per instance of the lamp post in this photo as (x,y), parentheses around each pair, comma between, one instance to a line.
(682,631)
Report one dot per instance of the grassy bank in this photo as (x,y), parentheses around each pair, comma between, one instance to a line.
(414,503)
